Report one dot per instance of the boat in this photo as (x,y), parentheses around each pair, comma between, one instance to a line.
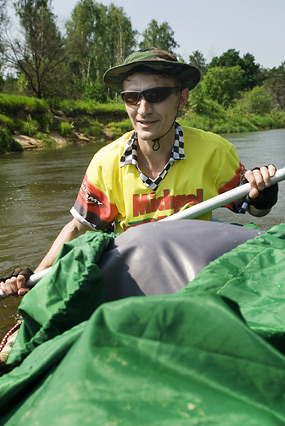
(170,323)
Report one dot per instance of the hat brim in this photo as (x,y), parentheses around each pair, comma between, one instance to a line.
(187,74)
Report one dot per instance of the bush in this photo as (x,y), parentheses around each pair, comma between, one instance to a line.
(257,101)
(96,91)
(278,119)
(66,129)
(30,127)
(223,84)
(118,129)
(7,122)
(8,143)
(94,129)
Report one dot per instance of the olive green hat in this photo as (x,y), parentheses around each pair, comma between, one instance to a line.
(154,59)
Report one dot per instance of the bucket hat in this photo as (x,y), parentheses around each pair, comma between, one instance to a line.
(154,59)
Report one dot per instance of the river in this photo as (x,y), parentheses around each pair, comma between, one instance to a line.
(38,189)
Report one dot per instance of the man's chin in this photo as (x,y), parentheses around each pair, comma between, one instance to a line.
(147,136)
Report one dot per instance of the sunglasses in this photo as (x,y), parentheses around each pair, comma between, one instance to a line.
(156,94)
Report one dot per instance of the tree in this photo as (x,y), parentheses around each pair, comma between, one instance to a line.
(39,55)
(223,84)
(3,21)
(257,101)
(3,14)
(230,58)
(86,32)
(98,37)
(275,83)
(252,72)
(122,38)
(197,60)
(160,36)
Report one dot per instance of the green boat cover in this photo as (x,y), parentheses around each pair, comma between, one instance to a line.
(211,354)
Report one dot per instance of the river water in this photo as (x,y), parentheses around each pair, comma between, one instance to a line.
(38,189)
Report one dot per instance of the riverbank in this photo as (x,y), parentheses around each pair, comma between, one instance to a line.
(29,123)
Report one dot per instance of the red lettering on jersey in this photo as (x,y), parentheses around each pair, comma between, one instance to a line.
(148,203)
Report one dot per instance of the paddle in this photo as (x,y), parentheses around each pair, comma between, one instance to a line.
(191,213)
(221,200)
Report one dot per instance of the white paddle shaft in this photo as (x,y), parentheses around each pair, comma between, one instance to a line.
(220,200)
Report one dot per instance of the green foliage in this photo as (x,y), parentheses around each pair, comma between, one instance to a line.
(22,83)
(12,103)
(7,122)
(278,119)
(96,91)
(8,143)
(1,79)
(257,101)
(231,119)
(118,129)
(40,54)
(97,37)
(275,84)
(201,104)
(24,114)
(252,74)
(71,107)
(48,141)
(30,127)
(93,128)
(223,84)
(66,129)
(197,60)
(160,36)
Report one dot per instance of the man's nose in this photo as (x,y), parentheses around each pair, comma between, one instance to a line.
(143,105)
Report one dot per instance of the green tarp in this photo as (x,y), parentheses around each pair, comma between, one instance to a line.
(185,359)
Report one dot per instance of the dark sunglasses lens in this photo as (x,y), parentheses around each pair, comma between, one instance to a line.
(157,94)
(130,97)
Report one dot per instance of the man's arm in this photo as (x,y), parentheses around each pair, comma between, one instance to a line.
(17,285)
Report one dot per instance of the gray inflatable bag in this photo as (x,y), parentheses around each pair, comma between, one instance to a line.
(163,257)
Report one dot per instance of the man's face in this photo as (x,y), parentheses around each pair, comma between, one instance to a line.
(153,120)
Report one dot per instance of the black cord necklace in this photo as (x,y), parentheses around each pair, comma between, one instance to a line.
(156,144)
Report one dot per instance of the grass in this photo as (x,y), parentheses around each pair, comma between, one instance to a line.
(71,107)
(117,129)
(234,121)
(11,103)
(8,143)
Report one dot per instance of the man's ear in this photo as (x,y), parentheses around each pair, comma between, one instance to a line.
(183,98)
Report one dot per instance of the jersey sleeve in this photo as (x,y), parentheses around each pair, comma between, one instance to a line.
(94,205)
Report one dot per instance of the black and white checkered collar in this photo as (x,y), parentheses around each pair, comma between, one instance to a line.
(130,157)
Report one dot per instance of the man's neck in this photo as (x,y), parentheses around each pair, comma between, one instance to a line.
(152,162)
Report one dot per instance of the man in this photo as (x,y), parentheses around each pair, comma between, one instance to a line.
(159,168)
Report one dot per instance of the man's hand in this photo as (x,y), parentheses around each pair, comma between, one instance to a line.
(262,196)
(259,179)
(15,283)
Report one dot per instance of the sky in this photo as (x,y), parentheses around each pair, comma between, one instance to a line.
(210,26)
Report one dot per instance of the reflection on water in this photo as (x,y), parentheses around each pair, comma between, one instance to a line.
(38,189)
